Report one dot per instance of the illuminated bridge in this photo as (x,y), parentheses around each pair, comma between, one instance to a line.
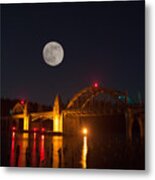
(93,101)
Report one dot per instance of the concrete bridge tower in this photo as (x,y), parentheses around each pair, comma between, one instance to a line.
(26,117)
(57,116)
(133,115)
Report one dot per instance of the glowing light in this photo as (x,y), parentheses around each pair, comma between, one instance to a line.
(56,124)
(96,85)
(85,131)
(13,128)
(34,136)
(57,147)
(42,129)
(23,148)
(42,137)
(57,116)
(35,129)
(22,102)
(42,151)
(84,152)
(12,154)
(13,135)
(26,123)
(34,157)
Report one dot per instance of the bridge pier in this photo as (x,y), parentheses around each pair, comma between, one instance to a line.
(26,123)
(58,123)
(129,124)
(141,125)
(26,117)
(57,116)
(130,120)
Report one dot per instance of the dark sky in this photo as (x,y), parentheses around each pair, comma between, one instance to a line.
(102,42)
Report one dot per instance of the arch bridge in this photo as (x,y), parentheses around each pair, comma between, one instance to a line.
(82,105)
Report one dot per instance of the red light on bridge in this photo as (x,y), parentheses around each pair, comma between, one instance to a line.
(13,128)
(35,129)
(96,85)
(22,102)
(42,129)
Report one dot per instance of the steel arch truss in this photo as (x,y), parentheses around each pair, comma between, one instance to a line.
(82,98)
(18,108)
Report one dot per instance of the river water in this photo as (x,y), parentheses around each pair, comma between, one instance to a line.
(45,150)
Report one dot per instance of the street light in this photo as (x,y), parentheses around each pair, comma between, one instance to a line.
(85,131)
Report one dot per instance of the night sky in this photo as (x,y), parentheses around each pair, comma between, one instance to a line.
(102,42)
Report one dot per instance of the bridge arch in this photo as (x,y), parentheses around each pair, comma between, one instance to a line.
(18,108)
(20,111)
(84,96)
(92,102)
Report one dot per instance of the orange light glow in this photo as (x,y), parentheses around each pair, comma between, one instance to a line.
(85,131)
(26,123)
(57,146)
(42,137)
(57,123)
(84,153)
(57,116)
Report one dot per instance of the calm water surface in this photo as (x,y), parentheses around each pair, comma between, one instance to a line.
(42,150)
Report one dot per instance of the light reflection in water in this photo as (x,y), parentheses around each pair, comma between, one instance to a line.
(23,142)
(12,155)
(34,160)
(57,151)
(84,152)
(42,151)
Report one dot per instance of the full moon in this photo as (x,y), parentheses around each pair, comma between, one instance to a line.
(53,53)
